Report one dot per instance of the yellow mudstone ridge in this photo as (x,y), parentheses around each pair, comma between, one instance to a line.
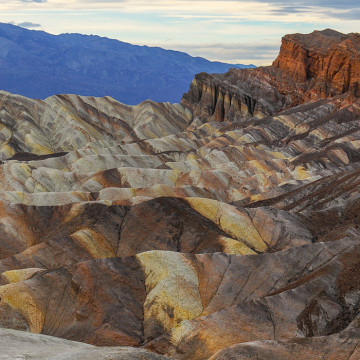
(234,247)
(172,288)
(17,296)
(14,276)
(94,243)
(229,219)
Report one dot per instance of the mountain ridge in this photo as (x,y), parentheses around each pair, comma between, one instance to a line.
(38,65)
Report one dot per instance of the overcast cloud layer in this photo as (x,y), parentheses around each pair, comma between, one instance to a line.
(228,30)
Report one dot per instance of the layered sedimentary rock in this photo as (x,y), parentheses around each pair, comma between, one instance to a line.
(309,67)
(327,59)
(236,96)
(226,227)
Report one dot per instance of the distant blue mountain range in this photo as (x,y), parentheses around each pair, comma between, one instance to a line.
(37,65)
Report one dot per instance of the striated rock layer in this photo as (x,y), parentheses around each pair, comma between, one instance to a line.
(328,60)
(309,67)
(225,227)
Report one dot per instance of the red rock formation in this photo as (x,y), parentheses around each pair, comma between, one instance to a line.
(327,60)
(308,67)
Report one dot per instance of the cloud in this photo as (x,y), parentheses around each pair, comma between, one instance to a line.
(345,15)
(28,25)
(347,11)
(236,53)
(241,9)
(25,24)
(225,30)
(207,5)
(285,10)
(335,4)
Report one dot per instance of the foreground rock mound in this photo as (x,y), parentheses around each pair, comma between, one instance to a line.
(226,227)
(20,345)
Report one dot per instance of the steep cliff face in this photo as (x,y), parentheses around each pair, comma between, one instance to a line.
(327,60)
(234,96)
(309,67)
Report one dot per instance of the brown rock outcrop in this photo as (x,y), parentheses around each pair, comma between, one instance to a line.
(346,344)
(308,67)
(235,96)
(327,60)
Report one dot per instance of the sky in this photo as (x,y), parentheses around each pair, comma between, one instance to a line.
(232,31)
